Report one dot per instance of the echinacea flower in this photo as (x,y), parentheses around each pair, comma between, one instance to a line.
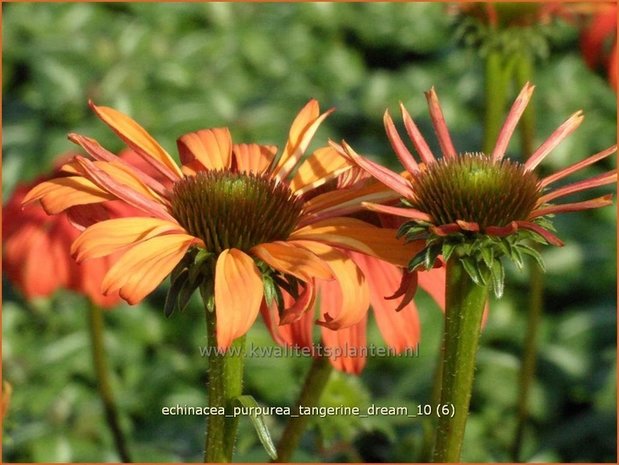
(475,206)
(231,221)
(36,250)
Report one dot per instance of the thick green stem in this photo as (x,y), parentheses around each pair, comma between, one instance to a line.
(225,383)
(524,73)
(465,302)
(105,390)
(314,385)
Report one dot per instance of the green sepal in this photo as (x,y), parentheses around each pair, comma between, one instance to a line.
(471,269)
(531,252)
(258,423)
(497,272)
(207,291)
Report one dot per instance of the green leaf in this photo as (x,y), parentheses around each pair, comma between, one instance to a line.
(259,424)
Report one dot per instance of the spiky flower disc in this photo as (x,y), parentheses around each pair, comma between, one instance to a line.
(235,210)
(475,189)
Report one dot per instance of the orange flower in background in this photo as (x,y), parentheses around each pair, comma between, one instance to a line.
(36,250)
(232,215)
(598,40)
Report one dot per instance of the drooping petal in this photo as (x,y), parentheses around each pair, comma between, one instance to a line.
(298,333)
(400,329)
(398,211)
(598,202)
(555,139)
(417,138)
(359,236)
(301,133)
(109,236)
(384,175)
(253,158)
(349,287)
(323,165)
(405,157)
(440,127)
(501,231)
(347,346)
(136,137)
(514,115)
(293,260)
(238,294)
(59,194)
(212,148)
(577,166)
(301,305)
(142,268)
(434,282)
(609,177)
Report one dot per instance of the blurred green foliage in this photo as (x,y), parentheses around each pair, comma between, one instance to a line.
(179,67)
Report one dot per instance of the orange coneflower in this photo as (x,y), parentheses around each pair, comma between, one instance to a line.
(479,207)
(231,220)
(36,249)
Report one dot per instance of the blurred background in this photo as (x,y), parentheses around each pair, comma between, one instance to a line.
(180,67)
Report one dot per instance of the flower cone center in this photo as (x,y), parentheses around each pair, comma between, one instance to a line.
(474,188)
(238,210)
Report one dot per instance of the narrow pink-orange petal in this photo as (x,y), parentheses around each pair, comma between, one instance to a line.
(238,294)
(514,115)
(403,154)
(148,203)
(598,202)
(142,268)
(107,237)
(253,158)
(384,175)
(577,166)
(347,346)
(398,211)
(59,194)
(292,260)
(417,138)
(550,238)
(136,137)
(501,231)
(211,147)
(445,229)
(468,225)
(555,139)
(324,164)
(440,127)
(609,177)
(92,147)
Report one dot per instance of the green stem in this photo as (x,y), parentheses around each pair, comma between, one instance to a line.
(314,385)
(524,73)
(465,303)
(225,383)
(101,371)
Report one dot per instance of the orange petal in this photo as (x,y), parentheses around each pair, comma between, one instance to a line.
(400,329)
(253,158)
(211,147)
(360,236)
(238,294)
(434,282)
(349,289)
(302,130)
(107,237)
(142,268)
(347,346)
(298,333)
(292,260)
(59,194)
(137,138)
(324,164)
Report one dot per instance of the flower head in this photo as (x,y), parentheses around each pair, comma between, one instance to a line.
(231,220)
(476,206)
